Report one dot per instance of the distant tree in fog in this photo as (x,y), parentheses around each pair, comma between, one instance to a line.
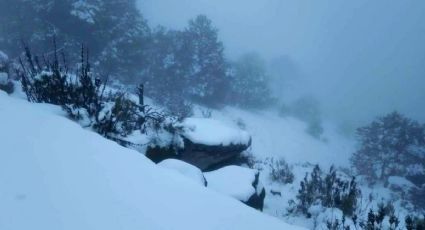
(208,69)
(187,65)
(167,78)
(307,109)
(392,145)
(249,82)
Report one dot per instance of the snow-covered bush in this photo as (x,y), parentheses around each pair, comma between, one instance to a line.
(414,222)
(384,218)
(280,171)
(331,190)
(392,145)
(113,114)
(120,116)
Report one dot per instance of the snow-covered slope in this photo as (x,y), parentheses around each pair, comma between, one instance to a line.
(55,175)
(187,170)
(276,136)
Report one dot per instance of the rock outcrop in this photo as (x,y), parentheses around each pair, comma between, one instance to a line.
(240,183)
(208,144)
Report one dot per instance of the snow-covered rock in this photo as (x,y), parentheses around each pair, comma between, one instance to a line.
(185,169)
(213,133)
(238,182)
(209,142)
(56,175)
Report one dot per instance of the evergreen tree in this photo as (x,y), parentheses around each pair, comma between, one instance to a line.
(249,82)
(167,79)
(114,30)
(208,69)
(390,145)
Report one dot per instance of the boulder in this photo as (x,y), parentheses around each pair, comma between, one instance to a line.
(240,183)
(208,142)
(208,157)
(185,169)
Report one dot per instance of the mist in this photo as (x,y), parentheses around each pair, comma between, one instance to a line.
(360,59)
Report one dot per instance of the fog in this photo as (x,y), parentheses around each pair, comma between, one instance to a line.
(359,58)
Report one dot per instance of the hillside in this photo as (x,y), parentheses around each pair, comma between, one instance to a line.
(56,175)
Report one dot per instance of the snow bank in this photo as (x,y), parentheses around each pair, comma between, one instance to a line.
(234,181)
(213,132)
(185,169)
(56,175)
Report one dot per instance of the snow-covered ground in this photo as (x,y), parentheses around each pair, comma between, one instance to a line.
(185,169)
(56,175)
(276,136)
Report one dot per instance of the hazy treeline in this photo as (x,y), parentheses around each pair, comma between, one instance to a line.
(178,67)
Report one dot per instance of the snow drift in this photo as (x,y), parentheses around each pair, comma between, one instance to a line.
(55,175)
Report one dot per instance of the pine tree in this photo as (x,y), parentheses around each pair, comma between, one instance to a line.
(390,145)
(208,69)
(249,82)
(114,30)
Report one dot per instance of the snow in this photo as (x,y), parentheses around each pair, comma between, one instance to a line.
(400,182)
(234,181)
(56,175)
(213,132)
(185,169)
(285,137)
